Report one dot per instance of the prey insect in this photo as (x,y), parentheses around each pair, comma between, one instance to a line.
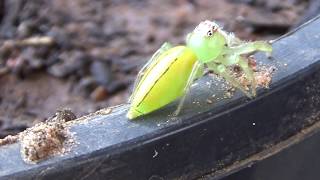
(171,71)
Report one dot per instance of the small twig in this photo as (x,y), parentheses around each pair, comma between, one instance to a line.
(32,41)
(35,41)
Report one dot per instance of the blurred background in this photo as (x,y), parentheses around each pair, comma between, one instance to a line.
(84,54)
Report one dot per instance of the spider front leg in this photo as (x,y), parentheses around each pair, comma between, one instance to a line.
(153,60)
(196,72)
(232,55)
(250,47)
(223,71)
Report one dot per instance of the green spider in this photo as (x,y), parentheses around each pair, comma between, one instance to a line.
(171,71)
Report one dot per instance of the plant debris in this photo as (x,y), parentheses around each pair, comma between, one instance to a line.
(263,77)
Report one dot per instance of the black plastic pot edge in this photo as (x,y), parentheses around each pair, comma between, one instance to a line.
(295,140)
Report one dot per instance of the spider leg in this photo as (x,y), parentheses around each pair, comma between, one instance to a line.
(221,70)
(250,47)
(249,74)
(239,60)
(197,70)
(152,61)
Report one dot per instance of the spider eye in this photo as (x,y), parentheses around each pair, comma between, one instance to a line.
(209,33)
(214,28)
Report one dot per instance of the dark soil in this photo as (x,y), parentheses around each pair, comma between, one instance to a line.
(93,49)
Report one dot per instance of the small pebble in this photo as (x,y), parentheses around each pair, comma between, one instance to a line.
(25,29)
(3,71)
(104,111)
(60,37)
(64,115)
(99,94)
(70,63)
(209,101)
(85,86)
(101,72)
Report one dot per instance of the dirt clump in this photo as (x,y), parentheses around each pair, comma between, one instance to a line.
(42,140)
(45,139)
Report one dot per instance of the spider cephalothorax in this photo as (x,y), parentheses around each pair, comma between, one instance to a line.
(206,41)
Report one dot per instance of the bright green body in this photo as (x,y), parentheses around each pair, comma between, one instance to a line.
(164,81)
(170,72)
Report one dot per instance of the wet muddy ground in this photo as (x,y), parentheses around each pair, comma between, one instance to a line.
(92,50)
